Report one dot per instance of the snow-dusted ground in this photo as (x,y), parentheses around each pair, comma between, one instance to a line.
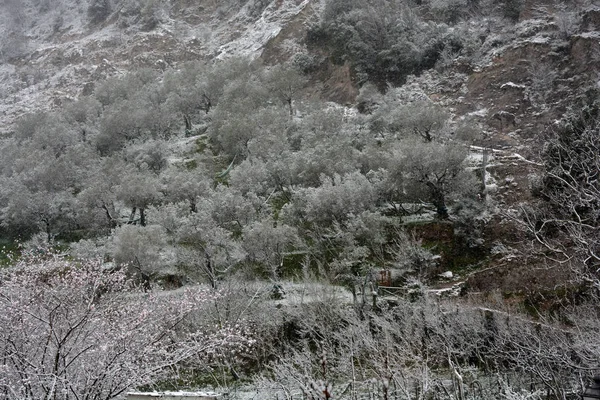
(302,293)
(173,395)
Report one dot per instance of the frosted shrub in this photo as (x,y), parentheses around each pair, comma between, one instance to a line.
(448,10)
(99,10)
(337,198)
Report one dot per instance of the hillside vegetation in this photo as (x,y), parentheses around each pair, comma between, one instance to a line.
(321,199)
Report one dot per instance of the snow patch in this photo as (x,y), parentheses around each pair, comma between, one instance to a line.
(589,35)
(447,275)
(511,85)
(426,216)
(453,291)
(539,40)
(173,394)
(521,158)
(257,35)
(479,113)
(296,294)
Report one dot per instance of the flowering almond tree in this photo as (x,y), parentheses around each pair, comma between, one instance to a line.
(71,330)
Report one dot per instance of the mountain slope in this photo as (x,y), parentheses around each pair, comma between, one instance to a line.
(53,54)
(506,84)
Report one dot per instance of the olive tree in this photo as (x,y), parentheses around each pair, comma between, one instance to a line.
(286,82)
(235,118)
(182,184)
(198,87)
(430,171)
(206,250)
(139,189)
(419,118)
(383,41)
(143,251)
(28,212)
(266,243)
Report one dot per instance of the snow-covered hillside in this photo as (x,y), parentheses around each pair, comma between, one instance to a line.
(52,52)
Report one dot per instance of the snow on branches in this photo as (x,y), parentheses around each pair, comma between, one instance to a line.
(73,330)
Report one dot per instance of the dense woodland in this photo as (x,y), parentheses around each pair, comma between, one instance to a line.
(152,228)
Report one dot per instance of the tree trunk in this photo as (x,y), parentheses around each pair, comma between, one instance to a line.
(290,107)
(48,229)
(210,271)
(207,103)
(188,124)
(438,199)
(425,134)
(132,216)
(142,217)
(112,223)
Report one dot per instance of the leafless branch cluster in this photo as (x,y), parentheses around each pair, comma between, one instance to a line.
(433,350)
(567,221)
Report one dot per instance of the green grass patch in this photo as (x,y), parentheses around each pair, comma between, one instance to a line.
(201,144)
(191,164)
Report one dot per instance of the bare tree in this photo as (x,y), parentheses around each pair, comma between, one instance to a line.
(567,222)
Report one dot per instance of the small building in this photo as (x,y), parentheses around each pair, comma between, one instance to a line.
(173,396)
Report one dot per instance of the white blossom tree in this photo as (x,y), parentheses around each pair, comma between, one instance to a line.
(71,330)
